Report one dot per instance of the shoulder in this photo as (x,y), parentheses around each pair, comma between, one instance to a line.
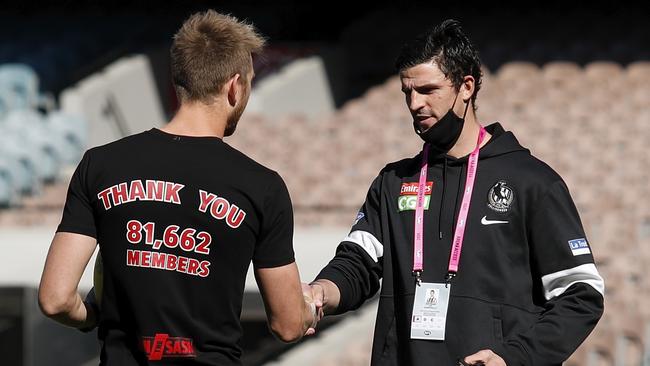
(111,149)
(534,179)
(536,171)
(401,168)
(393,172)
(245,162)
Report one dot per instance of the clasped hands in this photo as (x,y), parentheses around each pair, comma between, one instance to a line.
(314,295)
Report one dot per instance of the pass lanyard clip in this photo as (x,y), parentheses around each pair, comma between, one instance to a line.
(459,232)
(418,277)
(450,276)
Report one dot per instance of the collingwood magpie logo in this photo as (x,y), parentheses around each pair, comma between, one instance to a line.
(500,197)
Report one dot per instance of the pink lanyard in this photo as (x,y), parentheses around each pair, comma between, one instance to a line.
(459,232)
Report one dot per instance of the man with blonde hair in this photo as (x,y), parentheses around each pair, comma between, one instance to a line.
(179,215)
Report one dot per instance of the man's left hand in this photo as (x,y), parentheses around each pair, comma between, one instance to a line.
(487,357)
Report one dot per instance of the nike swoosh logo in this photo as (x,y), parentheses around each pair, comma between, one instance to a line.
(485,221)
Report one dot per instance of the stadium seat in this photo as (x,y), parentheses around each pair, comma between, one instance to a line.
(20,85)
(73,130)
(8,192)
(29,126)
(638,72)
(558,74)
(21,162)
(518,72)
(21,82)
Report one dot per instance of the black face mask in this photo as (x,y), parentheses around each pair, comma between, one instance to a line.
(443,135)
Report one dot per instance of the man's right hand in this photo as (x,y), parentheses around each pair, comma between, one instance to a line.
(324,294)
(290,315)
(315,311)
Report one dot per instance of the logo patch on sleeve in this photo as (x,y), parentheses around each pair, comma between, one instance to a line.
(579,246)
(408,196)
(360,216)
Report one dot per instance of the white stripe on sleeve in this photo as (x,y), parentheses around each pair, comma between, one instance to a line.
(556,283)
(368,242)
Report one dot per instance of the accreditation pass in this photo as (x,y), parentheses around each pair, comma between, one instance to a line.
(430,311)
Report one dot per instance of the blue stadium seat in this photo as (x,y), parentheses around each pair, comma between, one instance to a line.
(21,164)
(8,191)
(74,131)
(27,130)
(19,85)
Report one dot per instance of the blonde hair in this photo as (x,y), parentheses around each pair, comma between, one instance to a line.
(208,50)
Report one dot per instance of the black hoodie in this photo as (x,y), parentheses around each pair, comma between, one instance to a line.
(526,287)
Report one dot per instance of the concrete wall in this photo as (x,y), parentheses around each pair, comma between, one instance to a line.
(118,101)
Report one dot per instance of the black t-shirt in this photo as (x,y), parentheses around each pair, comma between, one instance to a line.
(178,220)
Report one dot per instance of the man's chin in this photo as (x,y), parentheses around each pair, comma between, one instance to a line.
(424,125)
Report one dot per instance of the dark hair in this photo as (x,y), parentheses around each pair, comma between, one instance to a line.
(208,50)
(447,45)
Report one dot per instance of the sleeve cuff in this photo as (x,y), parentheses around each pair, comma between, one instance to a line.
(77,230)
(345,290)
(273,263)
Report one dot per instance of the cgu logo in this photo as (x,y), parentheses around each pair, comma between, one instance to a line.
(408,196)
(162,345)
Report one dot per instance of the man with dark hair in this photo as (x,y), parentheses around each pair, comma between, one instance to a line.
(179,215)
(474,217)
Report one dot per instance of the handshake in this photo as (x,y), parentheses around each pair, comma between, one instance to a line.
(318,303)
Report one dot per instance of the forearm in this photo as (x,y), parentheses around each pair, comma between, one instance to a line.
(354,277)
(57,293)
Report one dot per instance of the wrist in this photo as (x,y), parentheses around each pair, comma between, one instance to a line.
(331,294)
(321,284)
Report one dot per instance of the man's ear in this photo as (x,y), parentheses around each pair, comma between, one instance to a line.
(233,89)
(467,88)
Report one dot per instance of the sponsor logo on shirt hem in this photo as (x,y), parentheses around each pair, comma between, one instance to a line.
(163,346)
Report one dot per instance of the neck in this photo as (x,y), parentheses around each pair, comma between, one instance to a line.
(198,120)
(468,137)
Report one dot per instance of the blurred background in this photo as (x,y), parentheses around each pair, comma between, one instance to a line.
(571,81)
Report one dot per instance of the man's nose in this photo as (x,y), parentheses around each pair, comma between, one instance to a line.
(415,101)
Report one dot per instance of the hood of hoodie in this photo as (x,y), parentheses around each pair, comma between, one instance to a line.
(502,142)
